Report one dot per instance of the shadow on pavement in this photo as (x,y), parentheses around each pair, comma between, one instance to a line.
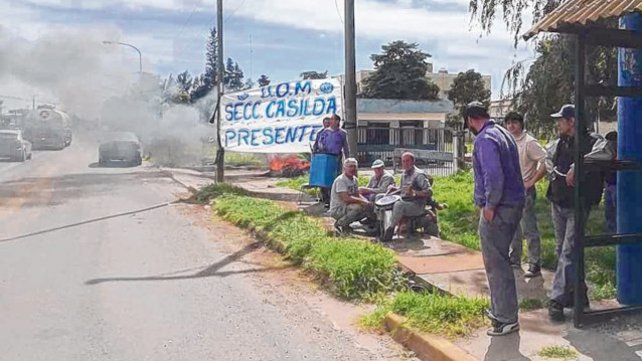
(505,348)
(611,340)
(93,220)
(210,271)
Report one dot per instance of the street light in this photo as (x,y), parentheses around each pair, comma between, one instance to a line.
(140,56)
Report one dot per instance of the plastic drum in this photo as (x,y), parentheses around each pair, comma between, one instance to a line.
(323,170)
(387,202)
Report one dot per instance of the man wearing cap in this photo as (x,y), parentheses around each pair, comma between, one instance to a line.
(346,204)
(415,192)
(532,158)
(560,165)
(378,183)
(499,193)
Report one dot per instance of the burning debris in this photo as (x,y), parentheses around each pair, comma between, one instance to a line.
(289,165)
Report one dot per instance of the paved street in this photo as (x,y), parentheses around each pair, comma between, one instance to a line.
(95,265)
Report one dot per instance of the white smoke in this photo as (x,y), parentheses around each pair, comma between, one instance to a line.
(80,74)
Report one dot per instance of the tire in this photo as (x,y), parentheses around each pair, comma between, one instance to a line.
(138,161)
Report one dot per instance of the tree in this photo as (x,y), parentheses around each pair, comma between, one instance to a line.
(264,80)
(541,89)
(233,79)
(467,87)
(184,81)
(208,81)
(314,75)
(400,73)
(249,83)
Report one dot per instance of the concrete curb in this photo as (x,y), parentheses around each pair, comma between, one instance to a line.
(426,346)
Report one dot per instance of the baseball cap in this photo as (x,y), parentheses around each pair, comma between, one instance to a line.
(567,111)
(377,164)
(476,109)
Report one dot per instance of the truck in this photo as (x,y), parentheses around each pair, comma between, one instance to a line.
(47,128)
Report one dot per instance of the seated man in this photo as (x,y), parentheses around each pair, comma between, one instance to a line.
(415,192)
(378,183)
(346,204)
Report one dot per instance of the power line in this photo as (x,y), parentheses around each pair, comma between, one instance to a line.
(336,6)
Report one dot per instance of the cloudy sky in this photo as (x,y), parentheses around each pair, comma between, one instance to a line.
(279,38)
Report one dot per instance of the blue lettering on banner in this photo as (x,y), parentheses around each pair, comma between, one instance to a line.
(243,134)
(290,135)
(303,128)
(278,133)
(255,134)
(266,92)
(332,106)
(303,87)
(229,135)
(228,111)
(283,90)
(314,132)
(292,108)
(269,138)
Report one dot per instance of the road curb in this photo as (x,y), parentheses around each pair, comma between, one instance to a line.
(426,346)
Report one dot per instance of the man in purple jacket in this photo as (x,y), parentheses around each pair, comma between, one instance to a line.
(332,140)
(499,193)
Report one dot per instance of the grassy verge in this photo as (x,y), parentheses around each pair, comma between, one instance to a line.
(431,312)
(242,159)
(212,191)
(353,269)
(458,224)
(558,352)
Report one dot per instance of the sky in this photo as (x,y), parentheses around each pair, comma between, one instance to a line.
(278,38)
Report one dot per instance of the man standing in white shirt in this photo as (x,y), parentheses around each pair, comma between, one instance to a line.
(532,158)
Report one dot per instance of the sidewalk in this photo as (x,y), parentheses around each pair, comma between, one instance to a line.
(457,270)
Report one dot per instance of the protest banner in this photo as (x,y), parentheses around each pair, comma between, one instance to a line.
(281,118)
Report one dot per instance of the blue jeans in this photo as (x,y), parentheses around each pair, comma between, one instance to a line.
(610,207)
(527,228)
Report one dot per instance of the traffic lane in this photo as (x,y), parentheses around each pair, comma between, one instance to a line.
(148,285)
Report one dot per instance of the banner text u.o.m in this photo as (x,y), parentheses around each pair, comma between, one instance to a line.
(282,118)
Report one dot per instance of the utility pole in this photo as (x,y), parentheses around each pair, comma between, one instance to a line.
(350,87)
(220,152)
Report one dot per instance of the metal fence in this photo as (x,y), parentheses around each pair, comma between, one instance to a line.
(381,142)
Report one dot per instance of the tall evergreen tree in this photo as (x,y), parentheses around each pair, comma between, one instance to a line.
(264,80)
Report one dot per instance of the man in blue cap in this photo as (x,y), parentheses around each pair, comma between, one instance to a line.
(499,193)
(560,166)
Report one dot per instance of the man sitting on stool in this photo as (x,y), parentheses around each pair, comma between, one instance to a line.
(346,204)
(379,182)
(415,191)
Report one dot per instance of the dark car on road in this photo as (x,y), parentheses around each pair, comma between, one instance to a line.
(13,147)
(121,147)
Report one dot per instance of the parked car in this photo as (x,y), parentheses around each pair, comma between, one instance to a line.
(122,147)
(13,146)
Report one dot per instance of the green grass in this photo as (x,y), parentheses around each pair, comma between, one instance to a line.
(459,222)
(352,269)
(297,182)
(528,304)
(440,314)
(214,190)
(558,352)
(241,159)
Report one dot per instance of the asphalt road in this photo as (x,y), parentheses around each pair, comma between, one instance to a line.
(94,265)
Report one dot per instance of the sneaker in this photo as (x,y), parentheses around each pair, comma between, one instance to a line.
(342,231)
(502,329)
(533,271)
(555,311)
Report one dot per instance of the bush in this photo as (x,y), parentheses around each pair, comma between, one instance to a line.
(353,269)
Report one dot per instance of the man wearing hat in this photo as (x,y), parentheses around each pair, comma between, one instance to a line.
(499,193)
(378,183)
(532,158)
(560,165)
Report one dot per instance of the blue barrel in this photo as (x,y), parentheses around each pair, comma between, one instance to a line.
(323,170)
(629,183)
